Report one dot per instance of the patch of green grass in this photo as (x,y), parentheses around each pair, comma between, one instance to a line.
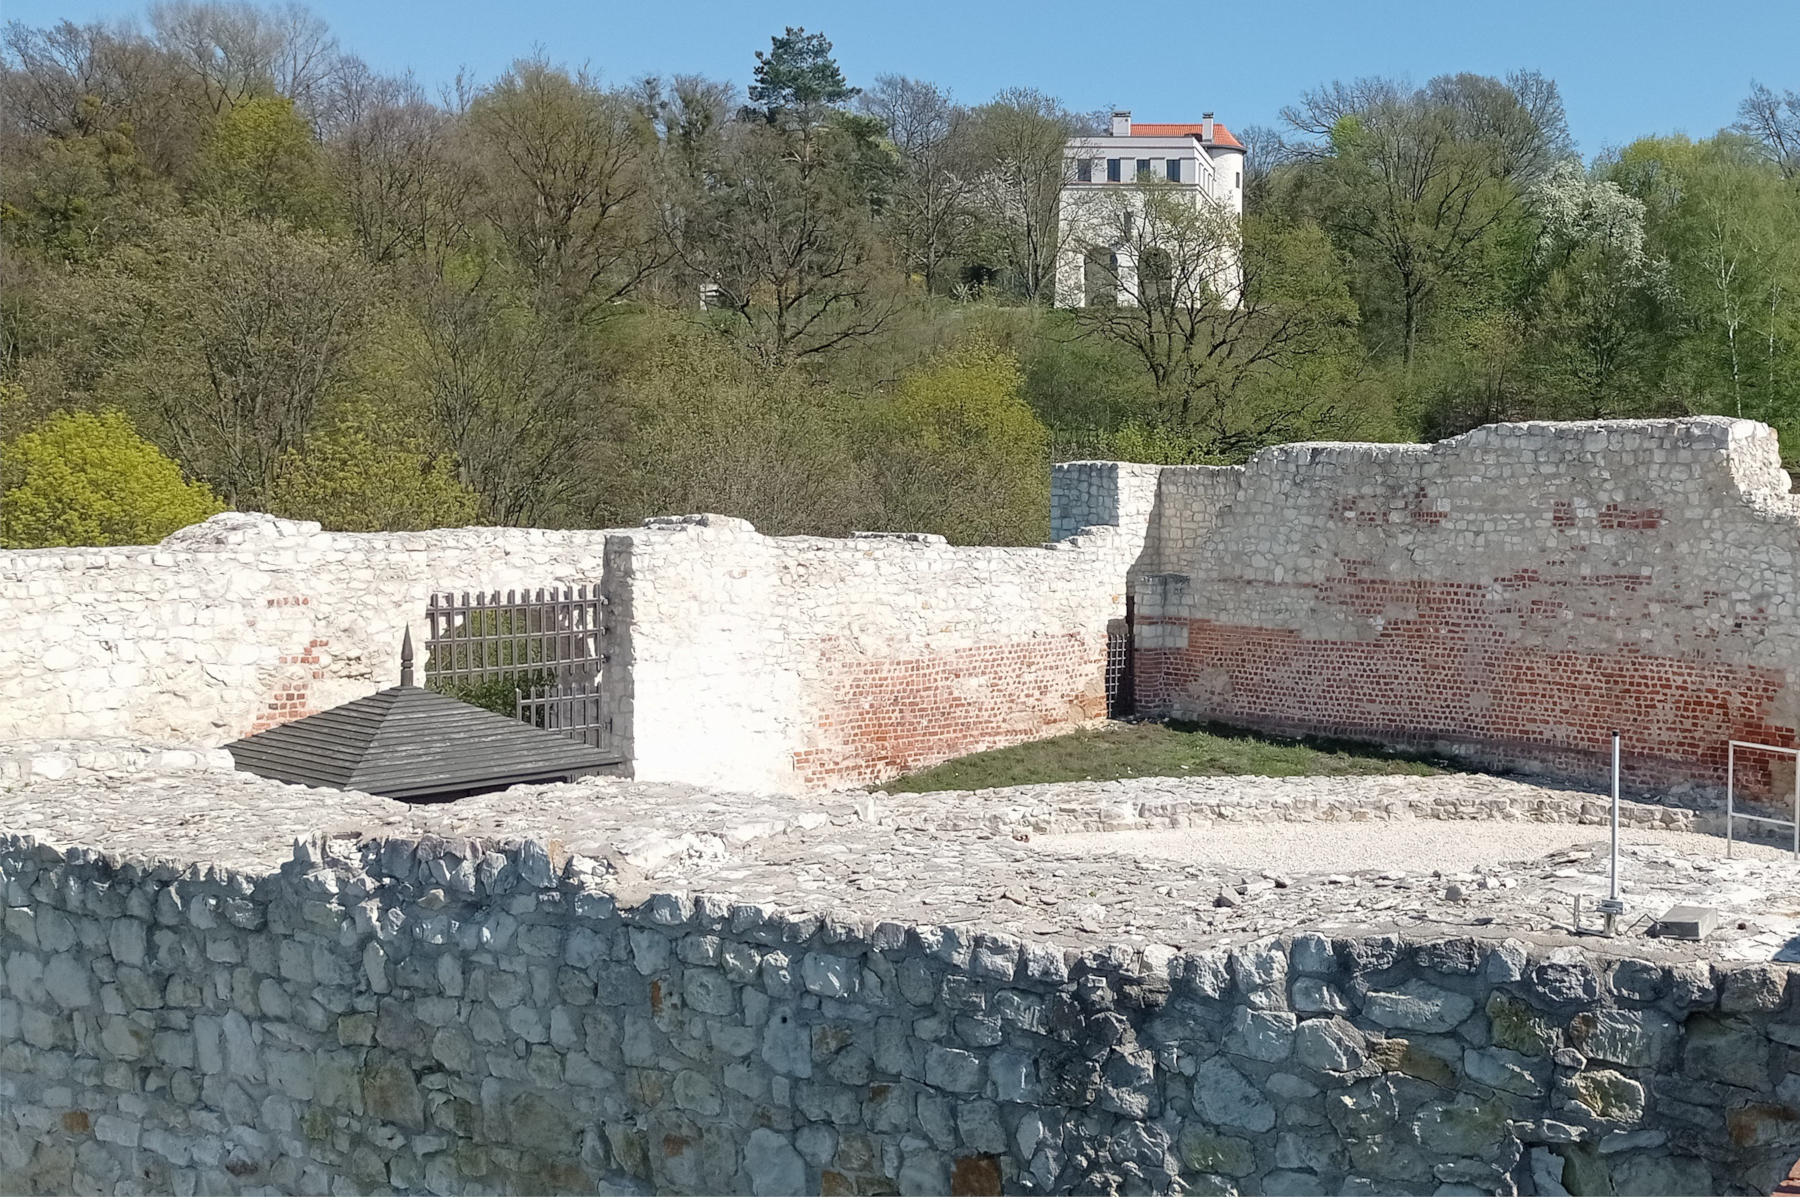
(1152,750)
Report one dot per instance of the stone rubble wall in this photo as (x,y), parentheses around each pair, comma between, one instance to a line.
(1509,596)
(733,658)
(1125,805)
(444,1016)
(21,763)
(240,622)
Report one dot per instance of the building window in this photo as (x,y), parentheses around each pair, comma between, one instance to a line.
(1240,180)
(1174,170)
(1143,167)
(1084,170)
(1113,167)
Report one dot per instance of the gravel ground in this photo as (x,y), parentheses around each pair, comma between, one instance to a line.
(1447,846)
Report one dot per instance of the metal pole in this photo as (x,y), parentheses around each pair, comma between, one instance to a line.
(1614,894)
(1612,906)
(1730,781)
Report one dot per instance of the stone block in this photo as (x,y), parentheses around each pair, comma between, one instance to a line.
(1690,922)
(1418,1006)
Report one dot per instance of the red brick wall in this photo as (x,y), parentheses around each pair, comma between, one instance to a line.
(1459,678)
(885,716)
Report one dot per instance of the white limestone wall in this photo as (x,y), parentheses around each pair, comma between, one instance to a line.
(792,663)
(237,620)
(734,658)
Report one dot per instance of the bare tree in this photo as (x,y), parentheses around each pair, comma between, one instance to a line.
(1208,308)
(74,81)
(510,395)
(566,167)
(931,211)
(1021,136)
(1265,152)
(59,81)
(234,50)
(406,186)
(1774,121)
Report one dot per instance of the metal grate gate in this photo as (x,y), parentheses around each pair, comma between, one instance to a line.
(538,652)
(1119,679)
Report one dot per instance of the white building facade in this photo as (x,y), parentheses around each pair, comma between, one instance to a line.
(1201,162)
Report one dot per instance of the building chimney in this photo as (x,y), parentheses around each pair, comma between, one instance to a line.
(1206,130)
(1121,123)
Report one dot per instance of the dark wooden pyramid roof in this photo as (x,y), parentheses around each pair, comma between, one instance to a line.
(408,743)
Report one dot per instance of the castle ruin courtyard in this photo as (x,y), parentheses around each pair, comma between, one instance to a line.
(734,964)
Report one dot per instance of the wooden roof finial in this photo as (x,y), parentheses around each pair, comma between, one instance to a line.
(406,658)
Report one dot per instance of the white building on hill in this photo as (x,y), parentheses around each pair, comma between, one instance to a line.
(1107,177)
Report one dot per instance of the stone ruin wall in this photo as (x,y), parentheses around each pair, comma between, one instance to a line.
(1509,596)
(239,623)
(734,658)
(821,662)
(446,1016)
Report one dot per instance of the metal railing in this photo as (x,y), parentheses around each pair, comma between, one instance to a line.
(1732,816)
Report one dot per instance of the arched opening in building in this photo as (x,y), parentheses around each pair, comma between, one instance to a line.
(1100,277)
(1156,276)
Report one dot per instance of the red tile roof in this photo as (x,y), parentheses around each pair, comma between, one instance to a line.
(1221,135)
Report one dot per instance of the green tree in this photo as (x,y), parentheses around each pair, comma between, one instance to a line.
(363,476)
(261,158)
(796,78)
(712,433)
(88,479)
(958,451)
(1591,317)
(1723,217)
(778,230)
(564,163)
(223,338)
(1414,183)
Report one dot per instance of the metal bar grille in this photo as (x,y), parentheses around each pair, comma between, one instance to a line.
(536,654)
(550,636)
(1120,677)
(1120,682)
(573,709)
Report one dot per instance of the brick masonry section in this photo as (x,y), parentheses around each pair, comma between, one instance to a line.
(1509,596)
(889,716)
(1465,692)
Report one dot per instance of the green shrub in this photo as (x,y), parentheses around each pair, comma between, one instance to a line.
(88,479)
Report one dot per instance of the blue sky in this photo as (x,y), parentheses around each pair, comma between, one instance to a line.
(1626,67)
